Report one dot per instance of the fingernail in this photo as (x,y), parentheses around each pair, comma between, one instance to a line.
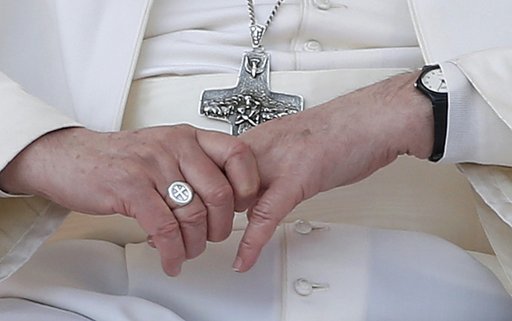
(237,264)
(151,242)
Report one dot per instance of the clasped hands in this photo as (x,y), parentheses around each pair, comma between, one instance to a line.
(266,171)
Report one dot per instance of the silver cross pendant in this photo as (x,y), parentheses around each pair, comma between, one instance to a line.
(251,102)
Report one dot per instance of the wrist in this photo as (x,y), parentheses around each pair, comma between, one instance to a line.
(375,124)
(390,117)
(33,165)
(412,128)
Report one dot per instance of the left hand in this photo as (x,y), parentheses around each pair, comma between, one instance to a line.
(338,143)
(129,172)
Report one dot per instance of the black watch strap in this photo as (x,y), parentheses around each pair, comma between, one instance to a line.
(440,109)
(440,129)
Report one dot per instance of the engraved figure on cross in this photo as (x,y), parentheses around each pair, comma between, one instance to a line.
(251,102)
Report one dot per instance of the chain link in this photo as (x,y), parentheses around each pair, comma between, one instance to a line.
(252,15)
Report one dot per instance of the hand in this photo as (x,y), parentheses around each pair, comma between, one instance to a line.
(128,172)
(338,143)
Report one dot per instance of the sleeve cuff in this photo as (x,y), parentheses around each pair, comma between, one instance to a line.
(24,119)
(474,132)
(25,225)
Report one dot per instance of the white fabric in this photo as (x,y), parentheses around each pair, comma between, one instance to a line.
(57,50)
(78,56)
(15,131)
(200,42)
(475,132)
(208,289)
(450,29)
(198,37)
(368,274)
(497,64)
(386,275)
(486,61)
(160,100)
(10,311)
(105,92)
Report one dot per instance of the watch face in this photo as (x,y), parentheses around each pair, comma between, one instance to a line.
(434,81)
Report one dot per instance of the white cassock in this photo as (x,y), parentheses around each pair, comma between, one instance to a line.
(333,272)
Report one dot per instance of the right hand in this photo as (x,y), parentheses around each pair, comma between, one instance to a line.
(128,172)
(335,144)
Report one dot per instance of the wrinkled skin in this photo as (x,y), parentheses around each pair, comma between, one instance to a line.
(128,172)
(335,144)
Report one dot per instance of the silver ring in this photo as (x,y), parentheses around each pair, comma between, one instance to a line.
(180,193)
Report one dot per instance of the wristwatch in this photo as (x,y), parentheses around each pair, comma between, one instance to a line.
(432,84)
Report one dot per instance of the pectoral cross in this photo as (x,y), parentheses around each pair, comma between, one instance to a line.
(251,102)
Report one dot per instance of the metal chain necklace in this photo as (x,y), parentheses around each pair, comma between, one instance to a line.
(258,30)
(252,16)
(251,102)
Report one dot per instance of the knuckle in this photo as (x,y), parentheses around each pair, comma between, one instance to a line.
(248,192)
(195,217)
(219,195)
(185,128)
(239,148)
(174,137)
(123,206)
(170,229)
(262,215)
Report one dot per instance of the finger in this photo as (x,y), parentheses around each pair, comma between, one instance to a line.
(190,216)
(213,189)
(158,221)
(277,201)
(238,162)
(194,226)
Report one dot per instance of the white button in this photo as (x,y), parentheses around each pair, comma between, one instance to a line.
(322,4)
(305,288)
(312,45)
(303,227)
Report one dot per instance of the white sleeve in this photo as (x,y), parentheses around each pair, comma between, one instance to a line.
(24,222)
(475,132)
(480,131)
(24,119)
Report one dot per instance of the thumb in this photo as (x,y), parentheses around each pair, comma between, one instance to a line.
(277,201)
